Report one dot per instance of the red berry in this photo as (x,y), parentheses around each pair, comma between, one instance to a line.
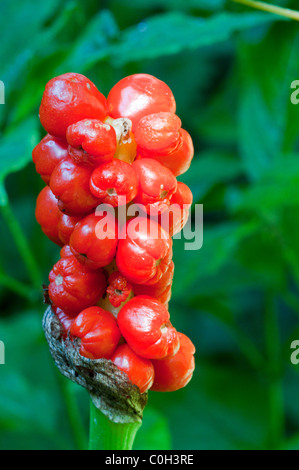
(47,154)
(118,289)
(144,251)
(158,133)
(114,183)
(66,319)
(47,214)
(161,290)
(98,331)
(65,226)
(156,185)
(176,216)
(139,370)
(144,323)
(175,372)
(73,286)
(94,240)
(179,159)
(70,184)
(91,141)
(65,251)
(67,99)
(137,96)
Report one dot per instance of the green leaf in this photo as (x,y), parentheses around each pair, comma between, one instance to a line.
(277,188)
(93,44)
(267,125)
(15,150)
(173,4)
(211,410)
(210,168)
(18,46)
(170,33)
(219,247)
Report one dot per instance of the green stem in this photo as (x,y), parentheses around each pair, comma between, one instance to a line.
(106,435)
(18,287)
(21,243)
(292,14)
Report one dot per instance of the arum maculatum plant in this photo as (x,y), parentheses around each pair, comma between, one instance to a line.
(107,322)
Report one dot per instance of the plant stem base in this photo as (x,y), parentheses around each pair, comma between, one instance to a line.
(107,435)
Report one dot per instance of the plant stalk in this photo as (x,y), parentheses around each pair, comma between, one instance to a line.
(286,12)
(107,435)
(21,244)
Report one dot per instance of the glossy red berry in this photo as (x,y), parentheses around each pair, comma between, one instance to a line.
(176,216)
(179,159)
(156,185)
(139,370)
(66,319)
(91,141)
(94,240)
(67,99)
(65,251)
(158,133)
(65,226)
(47,214)
(161,290)
(98,331)
(73,286)
(114,183)
(137,96)
(144,323)
(144,251)
(118,289)
(47,154)
(175,372)
(70,184)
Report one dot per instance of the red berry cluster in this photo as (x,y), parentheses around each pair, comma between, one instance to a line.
(112,284)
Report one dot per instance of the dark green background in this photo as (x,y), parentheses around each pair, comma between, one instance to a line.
(230,69)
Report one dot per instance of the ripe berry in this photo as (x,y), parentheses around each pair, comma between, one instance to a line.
(98,331)
(158,133)
(114,183)
(65,251)
(70,184)
(47,154)
(66,319)
(91,141)
(94,240)
(144,251)
(179,159)
(161,290)
(144,323)
(65,226)
(47,214)
(176,216)
(118,289)
(175,372)
(139,370)
(156,185)
(73,286)
(67,99)
(137,96)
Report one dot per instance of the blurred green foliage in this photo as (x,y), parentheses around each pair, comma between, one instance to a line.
(230,69)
